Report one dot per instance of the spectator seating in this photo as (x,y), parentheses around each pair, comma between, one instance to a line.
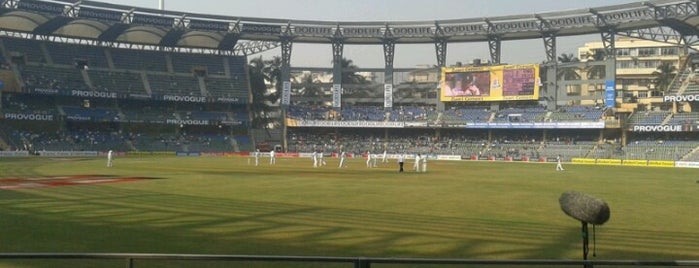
(117,81)
(648,117)
(69,54)
(52,77)
(139,60)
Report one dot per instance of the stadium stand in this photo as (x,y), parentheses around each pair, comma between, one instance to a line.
(117,81)
(31,50)
(141,60)
(72,54)
(187,63)
(576,113)
(649,117)
(53,77)
(186,85)
(140,77)
(50,73)
(460,115)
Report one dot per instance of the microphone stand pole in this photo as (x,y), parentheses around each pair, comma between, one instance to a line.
(586,242)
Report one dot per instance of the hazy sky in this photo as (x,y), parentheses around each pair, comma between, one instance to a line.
(307,55)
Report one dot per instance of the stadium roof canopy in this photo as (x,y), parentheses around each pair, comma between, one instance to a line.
(103,22)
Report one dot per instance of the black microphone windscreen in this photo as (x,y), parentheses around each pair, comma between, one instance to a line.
(584,208)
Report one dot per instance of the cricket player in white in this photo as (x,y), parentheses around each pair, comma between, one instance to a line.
(416,165)
(272,158)
(314,155)
(368,159)
(110,158)
(256,154)
(424,163)
(559,166)
(321,161)
(343,156)
(384,160)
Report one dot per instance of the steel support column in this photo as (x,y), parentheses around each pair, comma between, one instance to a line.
(440,45)
(286,59)
(494,44)
(550,46)
(608,36)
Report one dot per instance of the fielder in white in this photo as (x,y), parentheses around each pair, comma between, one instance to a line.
(314,155)
(343,156)
(368,159)
(559,166)
(256,155)
(110,158)
(424,163)
(321,161)
(416,165)
(384,159)
(272,157)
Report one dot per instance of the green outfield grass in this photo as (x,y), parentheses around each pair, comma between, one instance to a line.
(223,205)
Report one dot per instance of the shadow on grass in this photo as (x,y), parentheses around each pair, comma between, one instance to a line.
(108,219)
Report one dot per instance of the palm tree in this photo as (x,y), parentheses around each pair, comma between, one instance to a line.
(349,73)
(568,73)
(273,72)
(311,89)
(261,73)
(664,75)
(597,71)
(564,58)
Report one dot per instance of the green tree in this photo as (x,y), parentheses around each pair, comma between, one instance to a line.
(663,76)
(310,89)
(262,73)
(568,72)
(350,73)
(596,71)
(355,84)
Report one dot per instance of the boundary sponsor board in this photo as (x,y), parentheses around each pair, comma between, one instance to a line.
(68,153)
(490,83)
(610,162)
(188,153)
(638,163)
(160,153)
(588,161)
(661,163)
(686,164)
(13,153)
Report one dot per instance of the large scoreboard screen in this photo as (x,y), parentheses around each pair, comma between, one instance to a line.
(490,83)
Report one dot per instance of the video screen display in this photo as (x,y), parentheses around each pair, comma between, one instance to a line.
(490,83)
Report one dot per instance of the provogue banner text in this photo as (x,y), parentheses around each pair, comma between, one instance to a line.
(679,98)
(27,116)
(663,128)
